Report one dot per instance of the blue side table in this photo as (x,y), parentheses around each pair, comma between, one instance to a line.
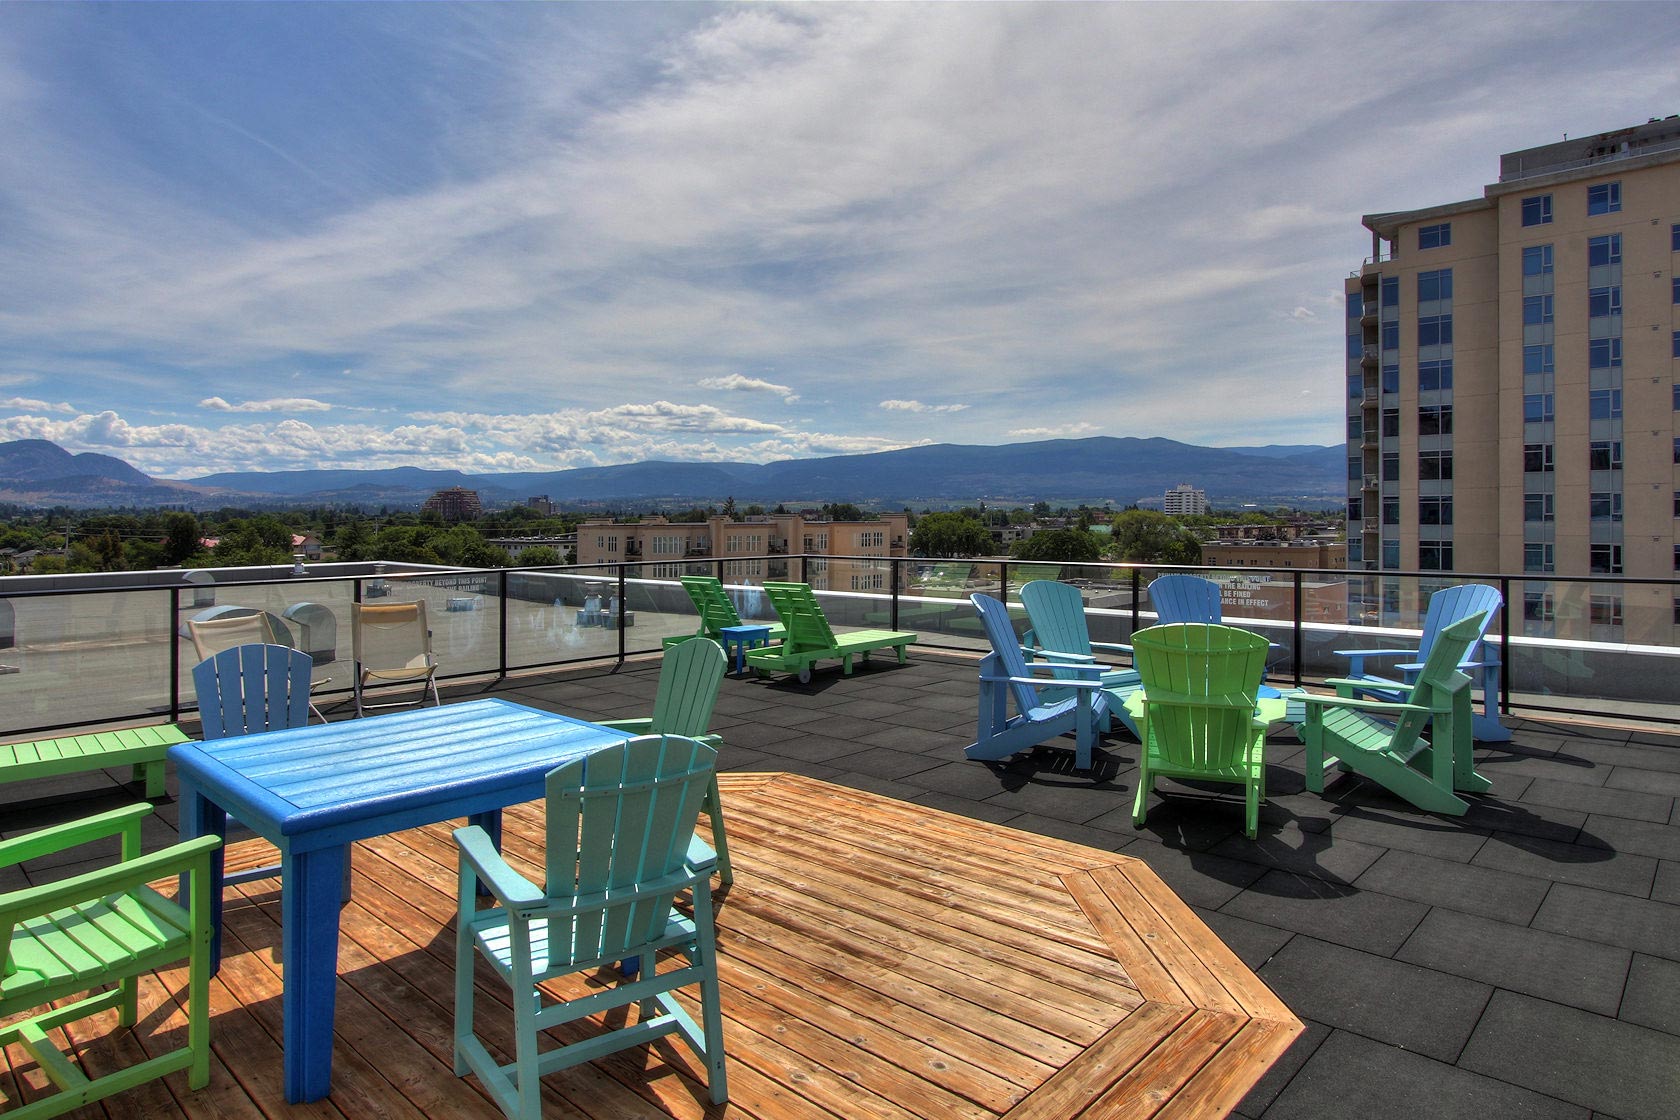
(741,639)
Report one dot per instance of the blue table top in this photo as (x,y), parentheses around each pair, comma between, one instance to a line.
(310,778)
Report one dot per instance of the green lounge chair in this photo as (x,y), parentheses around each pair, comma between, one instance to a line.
(688,691)
(715,609)
(1383,739)
(63,939)
(1199,722)
(809,638)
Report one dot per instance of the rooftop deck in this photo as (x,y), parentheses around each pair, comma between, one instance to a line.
(1522,961)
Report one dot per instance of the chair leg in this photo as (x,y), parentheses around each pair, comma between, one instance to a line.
(720,842)
(1146,786)
(527,1079)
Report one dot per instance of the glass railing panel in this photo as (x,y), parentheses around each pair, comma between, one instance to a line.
(562,614)
(308,615)
(85,658)
(1594,646)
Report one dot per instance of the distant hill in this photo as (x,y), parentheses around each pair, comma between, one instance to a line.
(1098,469)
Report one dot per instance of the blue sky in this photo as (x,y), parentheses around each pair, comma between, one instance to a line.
(531,236)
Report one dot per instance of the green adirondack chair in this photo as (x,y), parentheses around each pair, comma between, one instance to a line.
(688,691)
(716,610)
(810,639)
(1199,722)
(71,937)
(619,825)
(1383,739)
(1059,633)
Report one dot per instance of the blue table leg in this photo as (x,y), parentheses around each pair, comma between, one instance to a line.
(202,817)
(310,886)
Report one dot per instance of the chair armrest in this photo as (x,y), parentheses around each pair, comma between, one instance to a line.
(1112,645)
(1061,655)
(1369,682)
(638,726)
(511,888)
(700,856)
(177,859)
(59,837)
(1312,700)
(1046,682)
(1373,652)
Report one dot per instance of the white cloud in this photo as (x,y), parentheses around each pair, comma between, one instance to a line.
(736,383)
(278,404)
(27,404)
(918,406)
(1063,431)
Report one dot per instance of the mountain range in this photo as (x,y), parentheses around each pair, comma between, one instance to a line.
(1122,470)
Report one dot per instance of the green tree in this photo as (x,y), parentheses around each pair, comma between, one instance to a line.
(539,556)
(351,541)
(1144,536)
(843,511)
(950,534)
(182,537)
(1068,546)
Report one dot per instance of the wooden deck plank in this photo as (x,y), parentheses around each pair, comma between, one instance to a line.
(1148,1086)
(1168,943)
(1114,1055)
(1145,970)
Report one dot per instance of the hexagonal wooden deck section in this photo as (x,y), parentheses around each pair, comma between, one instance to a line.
(977,970)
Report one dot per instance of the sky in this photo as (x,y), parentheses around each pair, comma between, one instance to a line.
(514,237)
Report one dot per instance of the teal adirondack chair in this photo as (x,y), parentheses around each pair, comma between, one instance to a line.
(809,638)
(1050,698)
(689,678)
(716,610)
(1383,739)
(1059,633)
(1481,662)
(63,939)
(1199,721)
(619,826)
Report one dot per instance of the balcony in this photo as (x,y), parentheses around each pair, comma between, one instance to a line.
(1513,946)
(1368,357)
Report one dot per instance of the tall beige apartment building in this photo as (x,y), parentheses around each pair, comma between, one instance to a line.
(845,555)
(1513,373)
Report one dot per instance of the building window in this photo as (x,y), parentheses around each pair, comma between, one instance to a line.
(1677,344)
(1605,610)
(1537,606)
(1537,408)
(1355,305)
(1356,386)
(1604,455)
(1435,237)
(1604,301)
(1438,374)
(668,546)
(1435,330)
(873,539)
(1674,238)
(1604,404)
(1355,470)
(1537,557)
(1391,379)
(1605,505)
(1537,309)
(1391,554)
(871,582)
(1677,451)
(1390,336)
(1391,466)
(1435,556)
(1675,389)
(1677,503)
(1605,559)
(1435,420)
(1391,511)
(606,544)
(1537,359)
(1604,353)
(1676,283)
(1604,250)
(1435,465)
(1537,210)
(1606,198)
(1435,511)
(1391,422)
(1356,509)
(743,568)
(1356,429)
(1434,285)
(1538,507)
(1537,457)
(1391,291)
(1537,260)
(668,571)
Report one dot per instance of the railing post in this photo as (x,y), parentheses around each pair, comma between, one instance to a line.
(1298,612)
(1504,647)
(502,642)
(1136,588)
(1003,582)
(618,620)
(174,654)
(804,567)
(893,567)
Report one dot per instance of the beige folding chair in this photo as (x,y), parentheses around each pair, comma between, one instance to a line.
(392,645)
(213,635)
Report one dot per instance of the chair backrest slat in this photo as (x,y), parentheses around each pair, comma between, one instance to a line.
(1450,604)
(712,603)
(1439,674)
(807,627)
(1006,647)
(1056,612)
(688,688)
(1185,598)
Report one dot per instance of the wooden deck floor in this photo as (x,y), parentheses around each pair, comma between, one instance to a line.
(878,959)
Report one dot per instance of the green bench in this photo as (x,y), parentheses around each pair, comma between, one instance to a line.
(810,639)
(142,748)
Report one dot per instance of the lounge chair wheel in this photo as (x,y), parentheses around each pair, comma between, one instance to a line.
(804,674)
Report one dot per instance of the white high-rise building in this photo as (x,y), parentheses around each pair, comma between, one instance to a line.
(1184,499)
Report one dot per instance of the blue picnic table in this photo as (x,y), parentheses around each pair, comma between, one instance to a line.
(312,791)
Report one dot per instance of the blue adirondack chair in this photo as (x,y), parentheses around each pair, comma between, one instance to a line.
(689,678)
(1079,705)
(619,826)
(1481,663)
(1186,598)
(1059,633)
(248,689)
